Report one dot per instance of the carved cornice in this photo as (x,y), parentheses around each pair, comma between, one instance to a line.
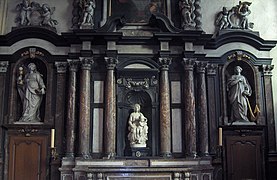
(201,67)
(73,64)
(86,62)
(189,63)
(61,67)
(165,62)
(267,69)
(111,62)
(4,66)
(212,69)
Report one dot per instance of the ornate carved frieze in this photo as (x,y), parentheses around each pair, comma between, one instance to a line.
(32,53)
(34,14)
(27,131)
(137,84)
(238,55)
(235,18)
(86,62)
(61,67)
(4,66)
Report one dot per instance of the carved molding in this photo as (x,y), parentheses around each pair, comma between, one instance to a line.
(4,66)
(61,67)
(27,131)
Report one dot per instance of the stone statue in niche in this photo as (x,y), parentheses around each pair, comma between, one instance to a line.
(186,9)
(32,14)
(88,8)
(138,128)
(31,89)
(235,18)
(238,92)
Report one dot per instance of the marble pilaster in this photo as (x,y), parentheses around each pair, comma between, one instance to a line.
(71,109)
(189,103)
(267,78)
(202,113)
(212,105)
(84,115)
(110,109)
(165,120)
(60,104)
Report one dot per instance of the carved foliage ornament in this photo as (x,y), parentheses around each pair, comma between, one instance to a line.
(235,18)
(34,14)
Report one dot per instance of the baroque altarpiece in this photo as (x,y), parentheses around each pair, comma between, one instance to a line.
(135,90)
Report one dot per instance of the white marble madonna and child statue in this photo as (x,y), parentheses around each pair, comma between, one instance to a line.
(138,128)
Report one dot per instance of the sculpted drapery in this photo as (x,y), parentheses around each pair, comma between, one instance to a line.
(238,89)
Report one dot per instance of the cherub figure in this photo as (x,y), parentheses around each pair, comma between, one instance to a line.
(88,12)
(222,19)
(47,12)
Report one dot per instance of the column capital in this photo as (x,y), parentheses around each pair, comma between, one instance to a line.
(201,67)
(111,62)
(61,67)
(4,66)
(165,62)
(211,69)
(73,64)
(189,63)
(86,62)
(267,69)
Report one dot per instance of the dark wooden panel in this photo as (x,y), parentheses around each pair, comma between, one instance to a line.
(244,157)
(27,158)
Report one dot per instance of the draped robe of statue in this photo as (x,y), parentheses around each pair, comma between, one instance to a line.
(239,89)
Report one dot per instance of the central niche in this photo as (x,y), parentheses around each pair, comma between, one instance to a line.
(137,83)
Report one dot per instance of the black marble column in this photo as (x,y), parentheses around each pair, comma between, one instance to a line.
(84,115)
(71,109)
(165,120)
(202,109)
(189,103)
(60,106)
(3,75)
(267,78)
(212,88)
(110,109)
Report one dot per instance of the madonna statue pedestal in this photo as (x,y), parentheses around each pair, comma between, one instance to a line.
(138,151)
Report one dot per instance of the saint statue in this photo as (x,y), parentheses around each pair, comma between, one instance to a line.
(31,89)
(238,89)
(138,128)
(88,12)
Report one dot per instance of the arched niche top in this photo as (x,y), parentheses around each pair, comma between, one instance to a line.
(137,66)
(137,63)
